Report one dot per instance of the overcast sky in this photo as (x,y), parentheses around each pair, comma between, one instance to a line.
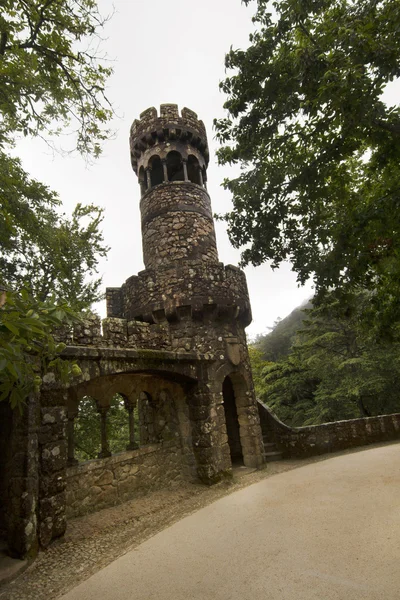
(163,51)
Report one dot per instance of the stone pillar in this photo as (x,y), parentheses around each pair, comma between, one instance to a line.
(53,463)
(200,176)
(185,172)
(71,440)
(105,452)
(148,175)
(22,464)
(130,408)
(209,442)
(142,187)
(165,169)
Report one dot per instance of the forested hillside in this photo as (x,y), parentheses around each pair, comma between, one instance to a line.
(324,363)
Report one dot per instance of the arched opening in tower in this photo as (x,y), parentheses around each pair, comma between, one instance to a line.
(156,172)
(232,422)
(175,166)
(193,168)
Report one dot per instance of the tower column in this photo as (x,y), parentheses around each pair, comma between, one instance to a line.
(185,171)
(165,169)
(148,175)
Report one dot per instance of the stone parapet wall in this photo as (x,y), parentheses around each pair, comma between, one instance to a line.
(100,483)
(208,339)
(298,442)
(209,289)
(152,129)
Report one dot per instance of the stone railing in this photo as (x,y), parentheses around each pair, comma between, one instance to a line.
(100,483)
(117,333)
(296,442)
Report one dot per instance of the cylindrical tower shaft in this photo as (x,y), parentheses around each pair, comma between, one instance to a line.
(170,156)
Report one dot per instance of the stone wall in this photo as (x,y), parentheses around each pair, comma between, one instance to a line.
(100,483)
(208,336)
(6,422)
(298,442)
(177,224)
(53,460)
(19,477)
(203,287)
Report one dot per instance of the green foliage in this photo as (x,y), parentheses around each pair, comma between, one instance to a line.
(258,364)
(42,249)
(87,428)
(276,344)
(51,81)
(318,147)
(117,425)
(27,346)
(50,74)
(337,368)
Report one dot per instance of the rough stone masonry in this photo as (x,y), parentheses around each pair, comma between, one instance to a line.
(173,346)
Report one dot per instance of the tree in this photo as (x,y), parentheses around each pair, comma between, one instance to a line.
(51,76)
(87,428)
(336,368)
(28,348)
(276,344)
(51,80)
(318,147)
(43,250)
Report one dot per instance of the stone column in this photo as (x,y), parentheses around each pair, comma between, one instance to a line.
(130,408)
(165,169)
(22,472)
(204,177)
(71,440)
(185,172)
(209,442)
(53,465)
(200,176)
(148,175)
(105,452)
(142,187)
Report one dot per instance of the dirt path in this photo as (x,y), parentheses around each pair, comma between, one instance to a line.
(94,541)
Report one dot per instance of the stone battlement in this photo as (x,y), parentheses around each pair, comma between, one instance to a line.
(117,333)
(152,129)
(201,290)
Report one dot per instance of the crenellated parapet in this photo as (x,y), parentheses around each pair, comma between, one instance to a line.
(115,332)
(169,128)
(210,291)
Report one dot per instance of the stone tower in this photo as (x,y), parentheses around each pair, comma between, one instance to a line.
(202,305)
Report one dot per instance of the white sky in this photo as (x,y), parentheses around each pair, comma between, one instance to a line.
(163,51)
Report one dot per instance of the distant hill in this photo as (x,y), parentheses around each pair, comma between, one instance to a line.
(276,344)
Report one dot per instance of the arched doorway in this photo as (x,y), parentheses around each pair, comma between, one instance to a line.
(232,422)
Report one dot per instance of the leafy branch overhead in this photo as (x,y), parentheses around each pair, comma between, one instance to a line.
(52,82)
(27,345)
(318,146)
(51,74)
(51,254)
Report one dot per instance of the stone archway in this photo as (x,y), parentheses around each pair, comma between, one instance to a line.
(232,422)
(246,415)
